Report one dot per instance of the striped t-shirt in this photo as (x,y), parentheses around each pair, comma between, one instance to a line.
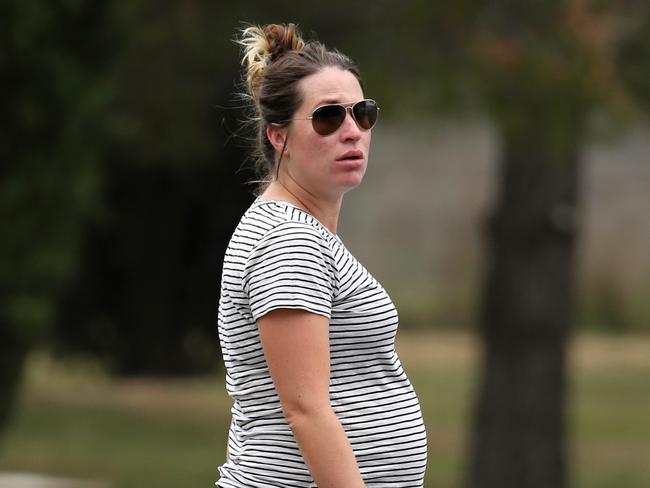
(281,257)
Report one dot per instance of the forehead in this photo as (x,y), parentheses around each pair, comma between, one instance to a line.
(329,85)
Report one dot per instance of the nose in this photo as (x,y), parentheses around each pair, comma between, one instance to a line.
(350,129)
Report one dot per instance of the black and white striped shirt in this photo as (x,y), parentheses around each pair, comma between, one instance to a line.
(281,257)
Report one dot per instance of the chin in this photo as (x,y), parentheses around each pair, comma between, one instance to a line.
(351,182)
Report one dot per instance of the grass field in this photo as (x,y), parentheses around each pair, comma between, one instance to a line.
(73,421)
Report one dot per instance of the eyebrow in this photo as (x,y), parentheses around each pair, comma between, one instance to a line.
(337,101)
(327,101)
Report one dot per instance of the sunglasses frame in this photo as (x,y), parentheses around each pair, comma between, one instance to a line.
(348,107)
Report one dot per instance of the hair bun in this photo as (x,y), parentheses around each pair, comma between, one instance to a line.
(263,45)
(283,38)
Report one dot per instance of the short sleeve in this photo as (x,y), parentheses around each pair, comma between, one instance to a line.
(291,267)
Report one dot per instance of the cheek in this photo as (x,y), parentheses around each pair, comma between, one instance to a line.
(367,136)
(320,150)
(321,144)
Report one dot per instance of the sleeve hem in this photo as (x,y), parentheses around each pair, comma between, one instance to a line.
(261,313)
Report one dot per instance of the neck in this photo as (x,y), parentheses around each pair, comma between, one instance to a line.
(326,211)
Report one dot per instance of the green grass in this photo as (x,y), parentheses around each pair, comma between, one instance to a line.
(73,421)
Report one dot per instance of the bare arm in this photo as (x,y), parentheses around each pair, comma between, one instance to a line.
(296,346)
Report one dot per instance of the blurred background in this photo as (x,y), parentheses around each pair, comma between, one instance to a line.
(505,210)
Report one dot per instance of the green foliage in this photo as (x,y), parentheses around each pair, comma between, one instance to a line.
(53,98)
(605,306)
(633,53)
(145,298)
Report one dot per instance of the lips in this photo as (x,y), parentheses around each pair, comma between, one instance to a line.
(351,155)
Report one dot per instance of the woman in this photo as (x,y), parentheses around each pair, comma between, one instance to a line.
(307,334)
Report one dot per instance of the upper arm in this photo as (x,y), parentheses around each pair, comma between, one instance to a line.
(296,347)
(291,267)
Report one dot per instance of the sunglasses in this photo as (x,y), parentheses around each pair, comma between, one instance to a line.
(327,119)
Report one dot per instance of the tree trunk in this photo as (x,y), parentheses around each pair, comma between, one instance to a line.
(12,354)
(519,430)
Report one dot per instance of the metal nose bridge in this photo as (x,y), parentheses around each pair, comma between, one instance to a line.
(349,109)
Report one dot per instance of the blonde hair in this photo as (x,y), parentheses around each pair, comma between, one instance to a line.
(275,60)
(261,46)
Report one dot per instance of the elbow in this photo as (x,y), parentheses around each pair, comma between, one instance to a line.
(301,412)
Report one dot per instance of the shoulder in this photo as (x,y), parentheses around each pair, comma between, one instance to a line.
(293,240)
(291,265)
(282,222)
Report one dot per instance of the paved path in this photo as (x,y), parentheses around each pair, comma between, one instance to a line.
(30,480)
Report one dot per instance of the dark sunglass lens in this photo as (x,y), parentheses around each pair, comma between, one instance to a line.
(328,118)
(365,113)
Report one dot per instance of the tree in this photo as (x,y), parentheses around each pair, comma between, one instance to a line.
(539,70)
(546,68)
(145,298)
(52,98)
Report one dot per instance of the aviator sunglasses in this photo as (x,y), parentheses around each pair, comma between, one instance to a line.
(326,119)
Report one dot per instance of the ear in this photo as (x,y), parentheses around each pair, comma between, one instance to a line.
(277,136)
